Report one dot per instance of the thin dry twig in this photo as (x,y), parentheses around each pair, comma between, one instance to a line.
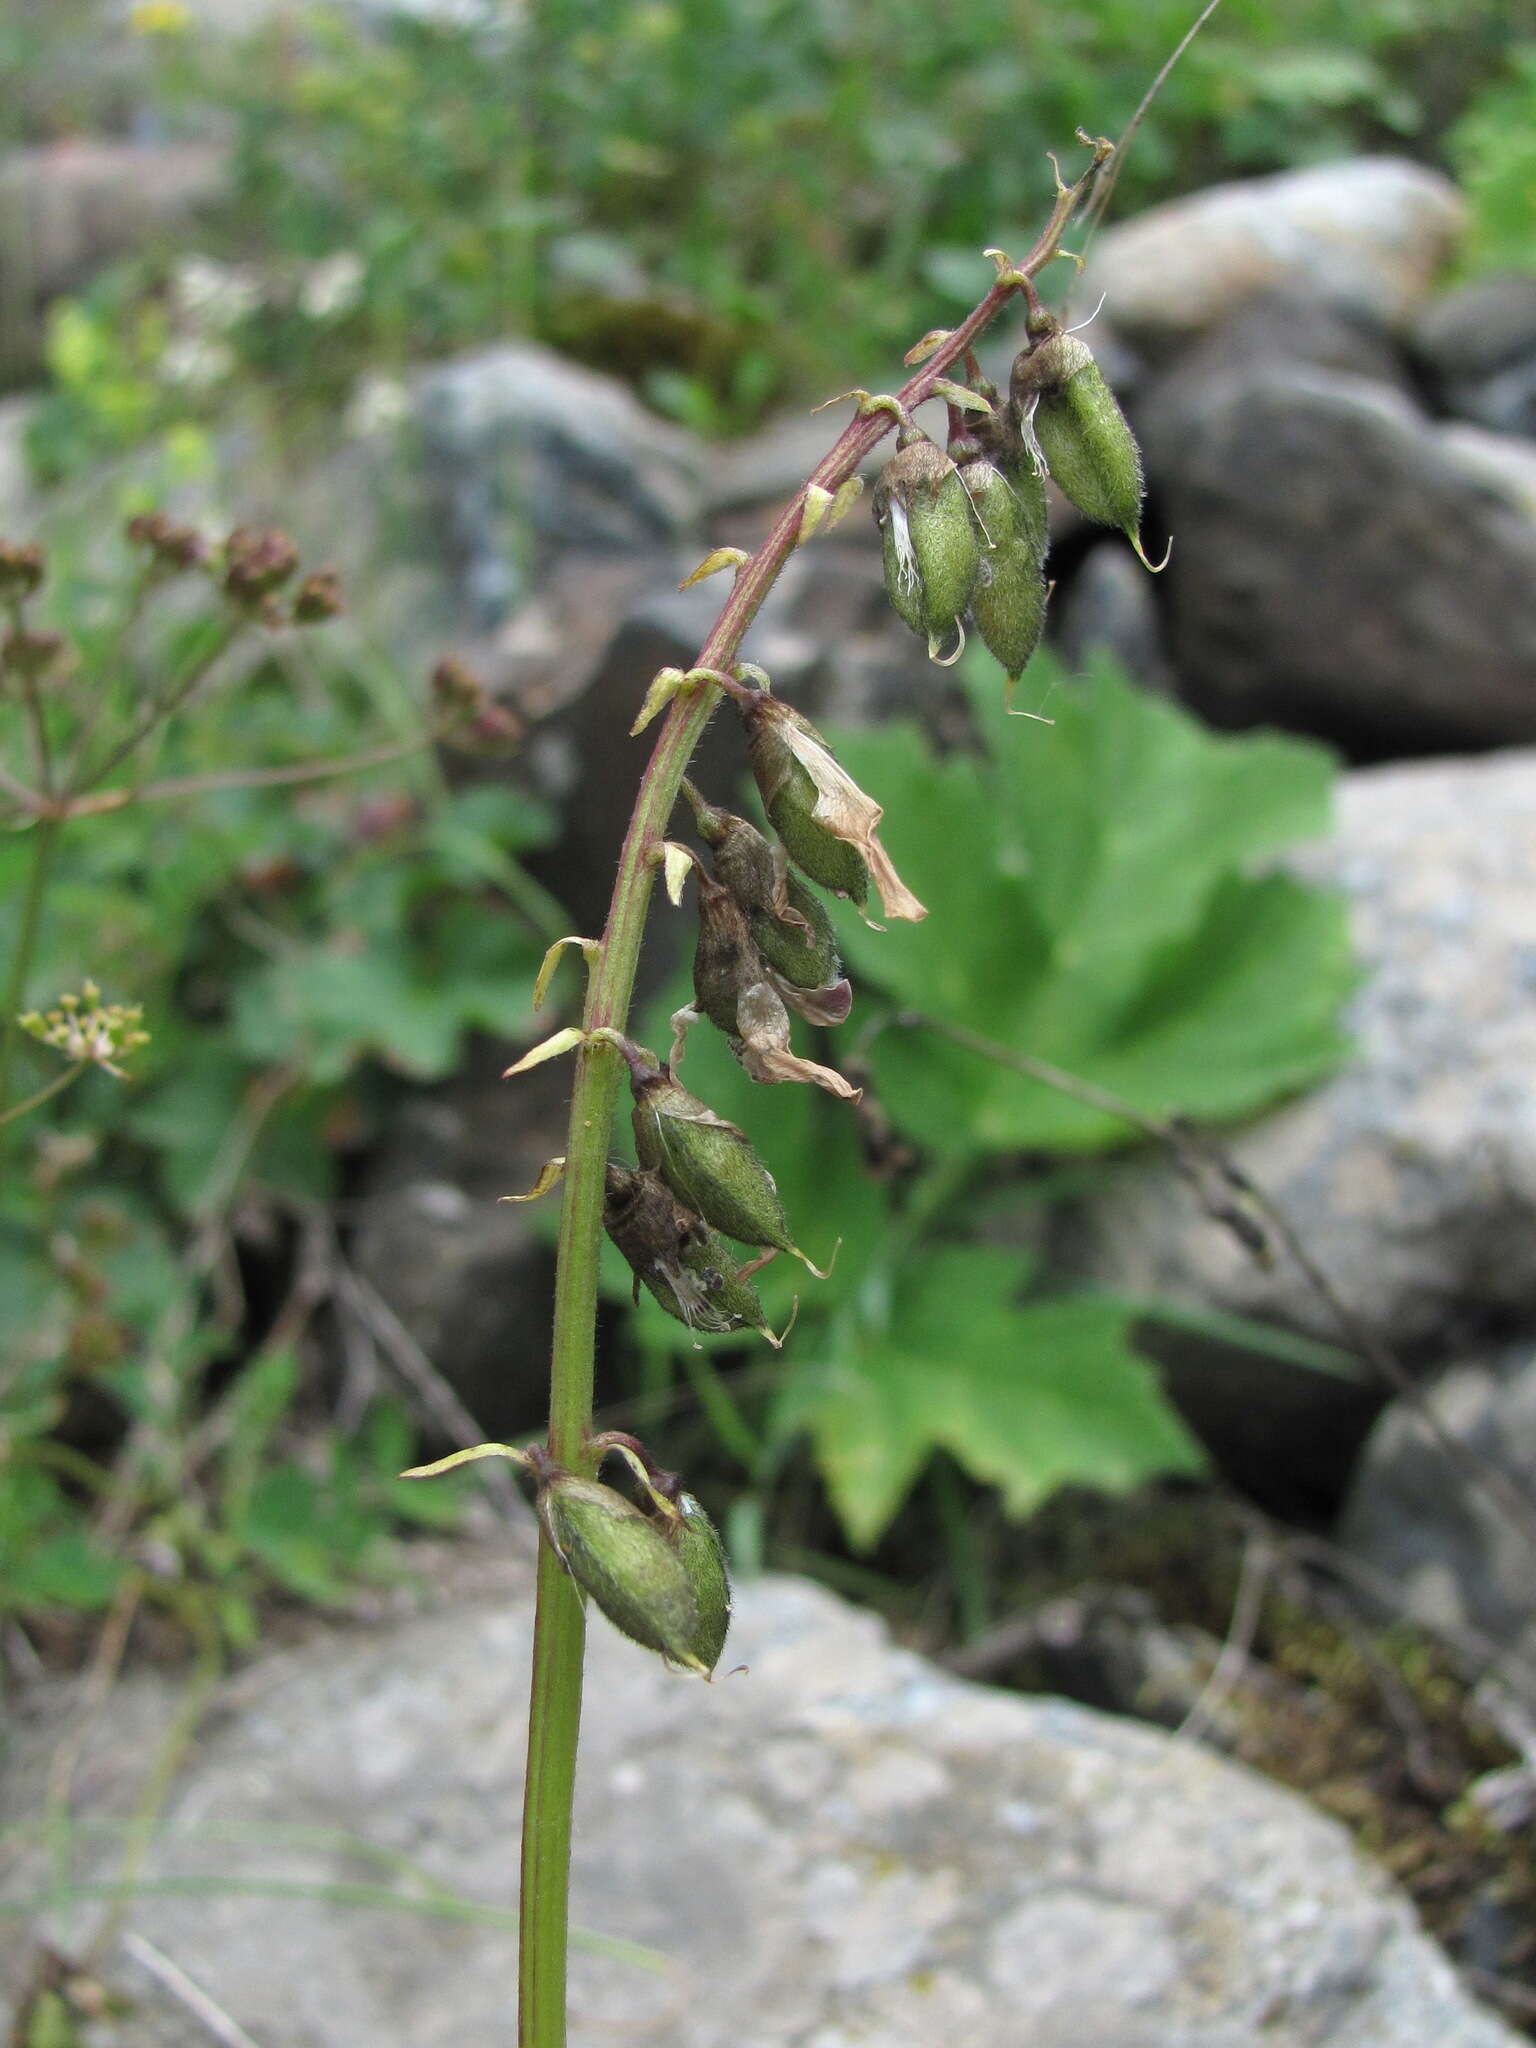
(437,1398)
(217,2022)
(1237,1647)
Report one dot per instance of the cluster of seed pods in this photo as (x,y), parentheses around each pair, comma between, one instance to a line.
(964,529)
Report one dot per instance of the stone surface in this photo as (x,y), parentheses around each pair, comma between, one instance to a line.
(1411,1174)
(68,208)
(1455,1560)
(1339,564)
(469,1276)
(843,1849)
(1477,347)
(526,455)
(1371,234)
(1108,607)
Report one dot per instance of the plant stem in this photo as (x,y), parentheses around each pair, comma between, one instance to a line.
(44,834)
(44,1094)
(559,1625)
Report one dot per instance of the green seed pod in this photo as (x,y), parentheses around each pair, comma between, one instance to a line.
(787,920)
(1083,435)
(624,1561)
(709,1164)
(688,1267)
(802,951)
(790,797)
(744,860)
(828,825)
(1008,601)
(703,1556)
(931,549)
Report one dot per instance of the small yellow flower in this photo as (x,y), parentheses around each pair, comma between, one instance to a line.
(159,18)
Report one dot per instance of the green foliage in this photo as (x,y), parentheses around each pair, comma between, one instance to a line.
(1098,897)
(1493,148)
(292,939)
(1107,872)
(720,202)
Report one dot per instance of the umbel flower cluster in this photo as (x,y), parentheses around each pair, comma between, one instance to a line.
(965,536)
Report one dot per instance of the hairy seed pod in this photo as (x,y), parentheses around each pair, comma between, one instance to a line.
(788,921)
(743,859)
(790,798)
(1008,601)
(686,1266)
(703,1556)
(931,550)
(709,1164)
(622,1558)
(802,949)
(1082,433)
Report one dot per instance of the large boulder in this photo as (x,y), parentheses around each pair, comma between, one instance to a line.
(843,1848)
(1370,234)
(1477,349)
(1411,1174)
(1341,563)
(1451,1552)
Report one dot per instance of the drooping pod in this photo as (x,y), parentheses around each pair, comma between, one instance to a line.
(1008,502)
(1086,441)
(687,1267)
(737,991)
(829,827)
(930,543)
(624,1559)
(787,921)
(703,1556)
(709,1164)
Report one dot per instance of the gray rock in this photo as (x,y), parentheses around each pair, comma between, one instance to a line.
(468,1275)
(1477,347)
(1340,566)
(1456,1562)
(842,1847)
(69,208)
(526,454)
(1500,463)
(1370,234)
(1412,1174)
(1108,607)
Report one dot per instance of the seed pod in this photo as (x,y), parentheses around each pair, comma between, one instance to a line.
(931,551)
(624,1560)
(790,798)
(725,960)
(688,1267)
(787,920)
(703,1556)
(804,952)
(709,1164)
(829,827)
(1083,435)
(1008,601)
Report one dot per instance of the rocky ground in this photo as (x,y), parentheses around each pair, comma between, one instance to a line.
(839,1846)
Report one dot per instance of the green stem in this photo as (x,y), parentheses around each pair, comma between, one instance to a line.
(559,1626)
(44,1094)
(44,834)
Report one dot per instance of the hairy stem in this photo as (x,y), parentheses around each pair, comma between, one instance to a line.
(559,1623)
